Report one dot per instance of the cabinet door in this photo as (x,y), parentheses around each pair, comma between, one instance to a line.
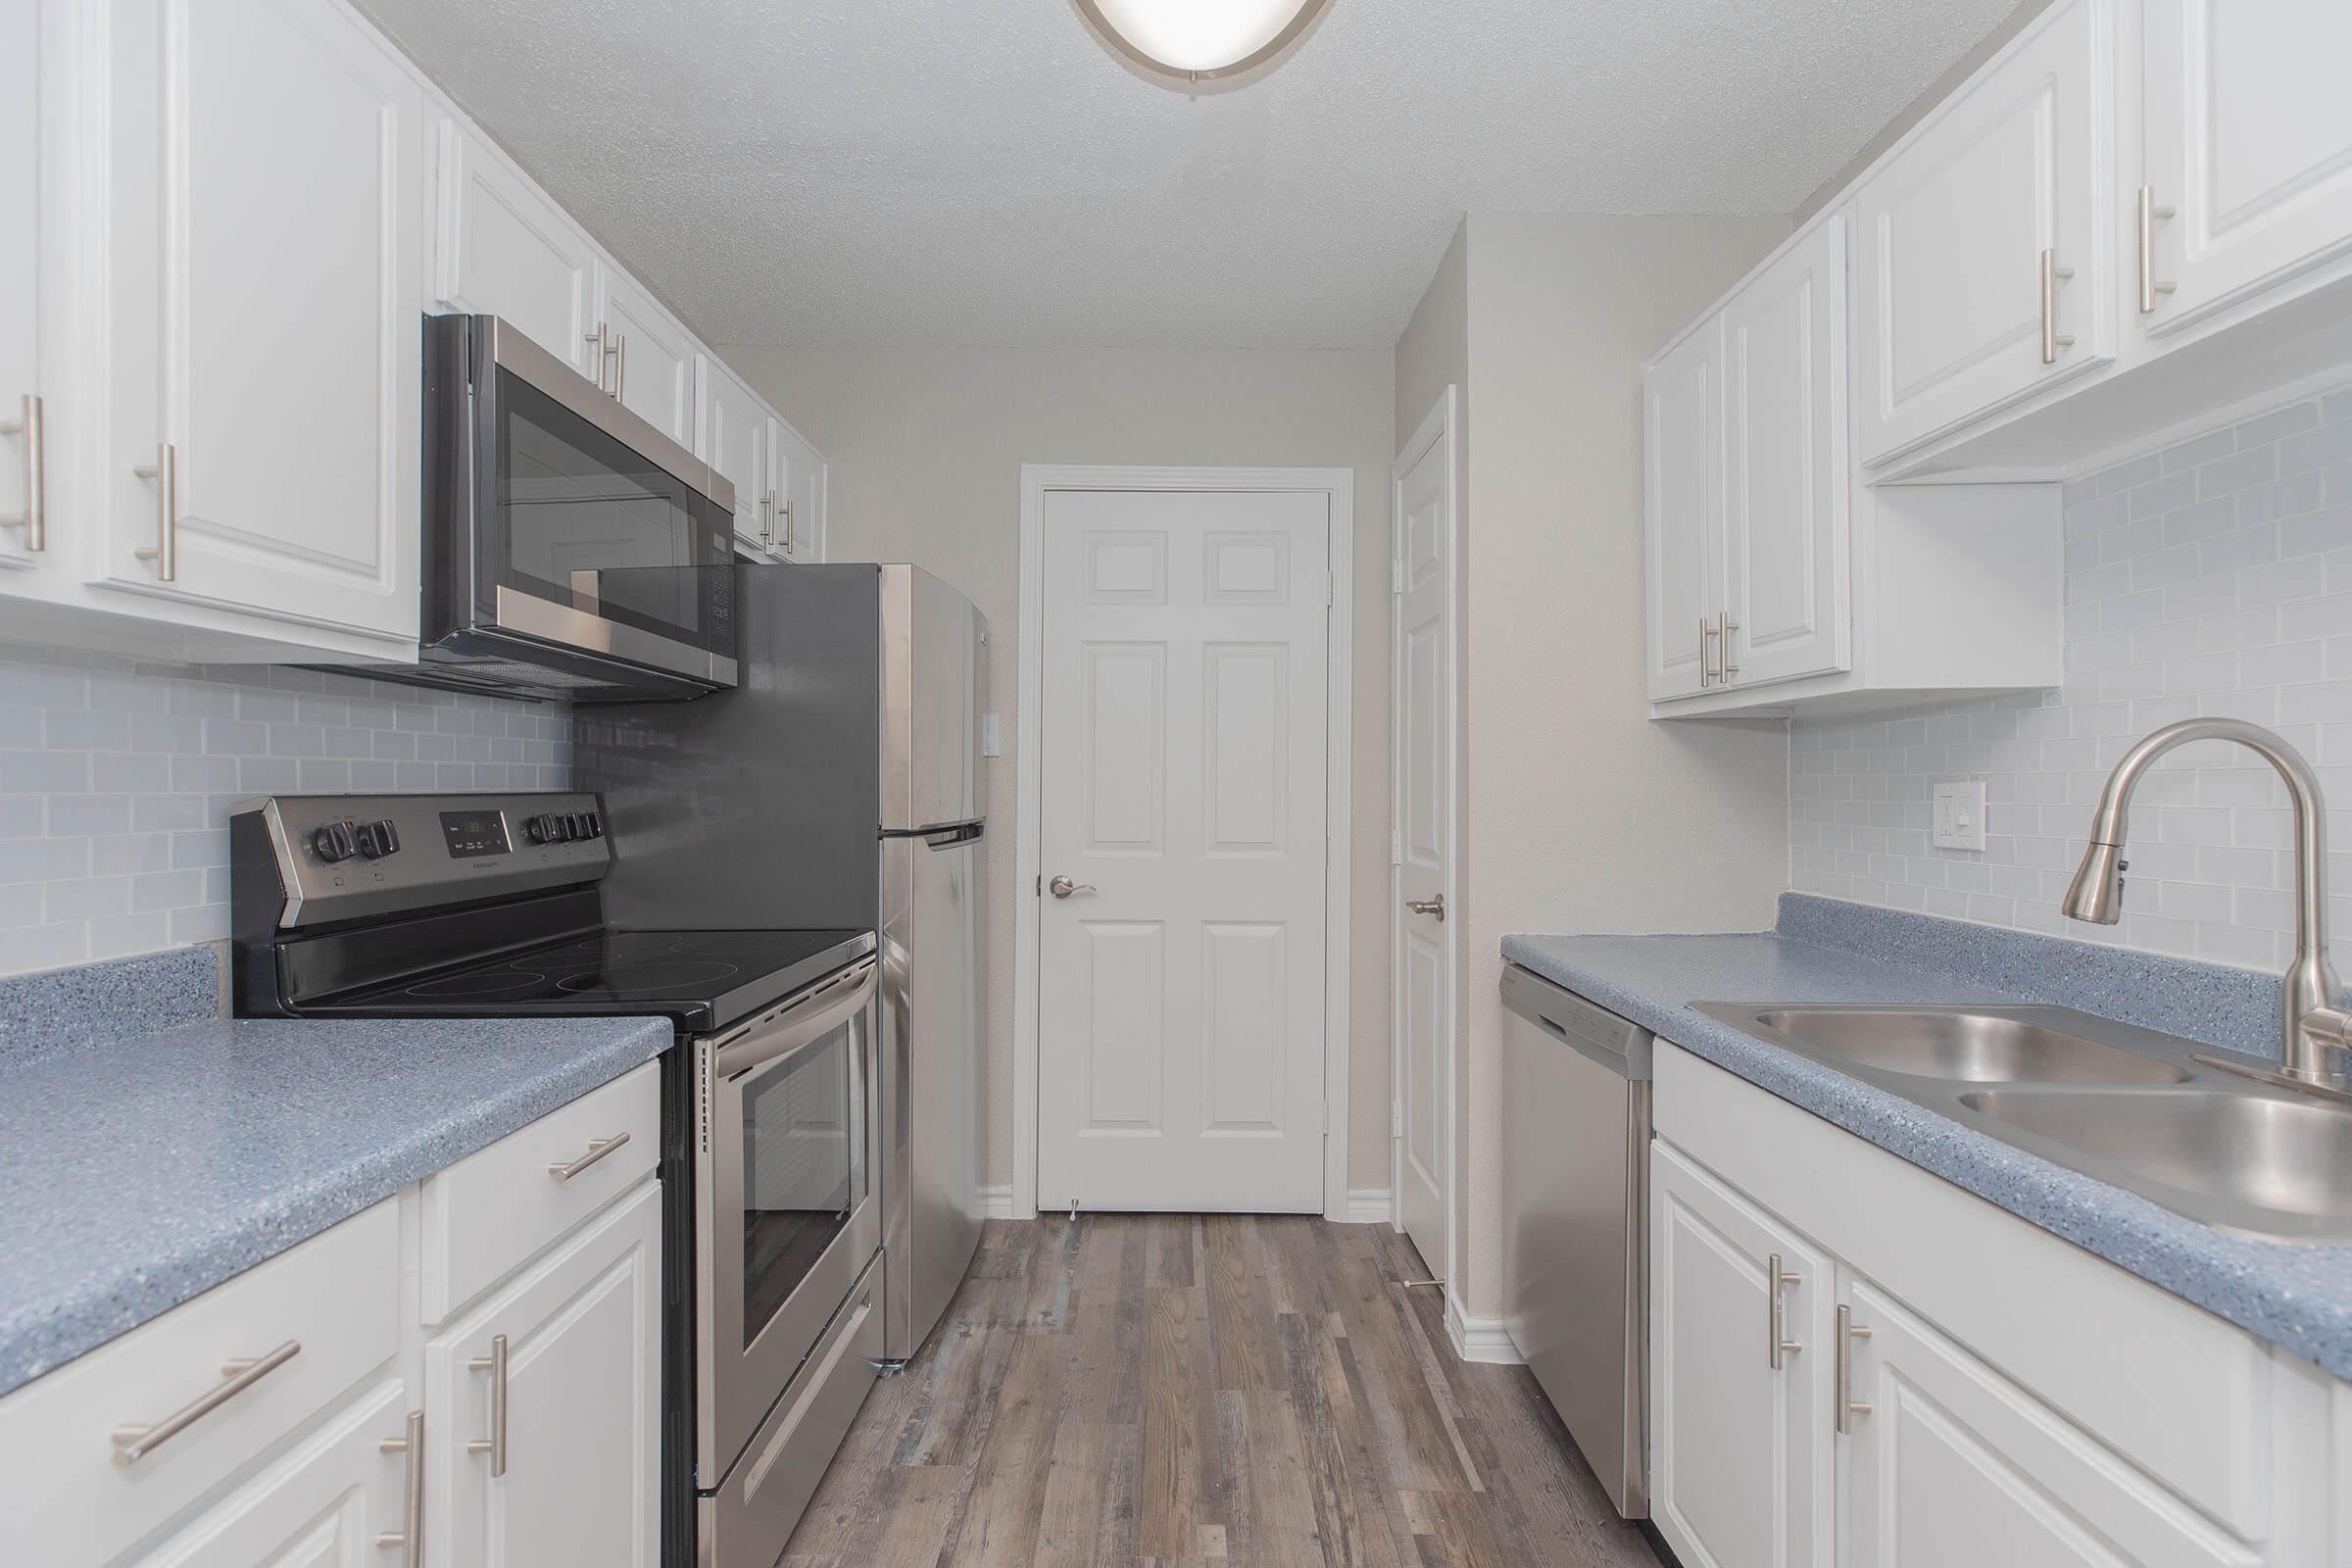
(1738,1449)
(2249,140)
(323,1505)
(1952,233)
(1952,1467)
(582,1332)
(266,252)
(19,268)
(1681,424)
(652,355)
(502,249)
(1785,473)
(731,427)
(799,476)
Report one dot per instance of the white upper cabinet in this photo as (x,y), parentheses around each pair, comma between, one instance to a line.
(797,473)
(2247,138)
(20,497)
(1986,242)
(1785,472)
(502,249)
(1747,482)
(730,434)
(265,257)
(648,357)
(1681,399)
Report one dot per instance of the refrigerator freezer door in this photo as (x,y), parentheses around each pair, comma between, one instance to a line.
(933,676)
(930,1028)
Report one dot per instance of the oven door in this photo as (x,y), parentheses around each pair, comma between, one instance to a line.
(585,529)
(787,1217)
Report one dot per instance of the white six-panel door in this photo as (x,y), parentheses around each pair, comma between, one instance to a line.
(1421,967)
(1181,982)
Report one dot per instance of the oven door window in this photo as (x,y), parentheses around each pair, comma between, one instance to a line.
(594,526)
(804,1167)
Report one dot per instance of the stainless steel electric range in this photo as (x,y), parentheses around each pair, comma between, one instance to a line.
(480,906)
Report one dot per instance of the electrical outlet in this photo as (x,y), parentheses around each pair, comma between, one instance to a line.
(1960,814)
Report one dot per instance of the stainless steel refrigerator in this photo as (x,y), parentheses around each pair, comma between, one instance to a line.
(837,785)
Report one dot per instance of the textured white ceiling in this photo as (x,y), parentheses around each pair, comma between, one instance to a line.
(985,172)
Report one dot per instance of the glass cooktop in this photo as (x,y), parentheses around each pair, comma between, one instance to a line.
(705,979)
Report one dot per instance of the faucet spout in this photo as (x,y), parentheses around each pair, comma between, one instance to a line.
(2318,1034)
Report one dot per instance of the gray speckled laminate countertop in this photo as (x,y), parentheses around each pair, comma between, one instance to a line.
(2295,1295)
(142,1171)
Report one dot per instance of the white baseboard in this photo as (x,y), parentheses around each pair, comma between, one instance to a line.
(996,1202)
(1480,1338)
(1370,1205)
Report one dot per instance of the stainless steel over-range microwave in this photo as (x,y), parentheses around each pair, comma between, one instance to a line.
(570,547)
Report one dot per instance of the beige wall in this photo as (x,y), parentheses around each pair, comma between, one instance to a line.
(1580,813)
(924,452)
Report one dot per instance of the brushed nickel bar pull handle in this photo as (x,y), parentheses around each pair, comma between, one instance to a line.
(767,520)
(597,1148)
(1777,1348)
(597,337)
(409,1537)
(2052,340)
(1725,625)
(2149,211)
(495,1446)
(784,535)
(133,1443)
(1706,671)
(164,551)
(1848,1407)
(35,519)
(620,366)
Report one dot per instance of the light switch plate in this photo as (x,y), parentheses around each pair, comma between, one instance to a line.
(992,743)
(1960,814)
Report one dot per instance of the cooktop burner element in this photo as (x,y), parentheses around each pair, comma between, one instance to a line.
(648,979)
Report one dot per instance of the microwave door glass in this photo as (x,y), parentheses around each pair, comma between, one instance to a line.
(595,527)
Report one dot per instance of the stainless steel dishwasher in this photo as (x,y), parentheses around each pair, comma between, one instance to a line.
(1576,1220)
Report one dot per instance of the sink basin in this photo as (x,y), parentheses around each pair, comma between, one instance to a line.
(2278,1156)
(1965,1047)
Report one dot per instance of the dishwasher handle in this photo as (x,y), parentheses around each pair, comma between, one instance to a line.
(1622,1046)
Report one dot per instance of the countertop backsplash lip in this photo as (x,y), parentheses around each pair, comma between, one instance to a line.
(2214,1003)
(92,1003)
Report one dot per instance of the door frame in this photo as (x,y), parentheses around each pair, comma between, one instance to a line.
(1038,480)
(1441,423)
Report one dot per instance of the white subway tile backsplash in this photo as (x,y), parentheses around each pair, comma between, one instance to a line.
(2212,577)
(116,779)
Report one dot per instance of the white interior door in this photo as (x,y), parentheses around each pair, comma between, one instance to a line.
(1421,644)
(1184,684)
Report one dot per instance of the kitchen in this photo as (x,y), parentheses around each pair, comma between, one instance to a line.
(1175,783)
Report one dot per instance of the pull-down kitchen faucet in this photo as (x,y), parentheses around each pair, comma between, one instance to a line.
(2318,1045)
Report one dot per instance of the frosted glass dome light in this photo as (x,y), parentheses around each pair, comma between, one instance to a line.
(1201,39)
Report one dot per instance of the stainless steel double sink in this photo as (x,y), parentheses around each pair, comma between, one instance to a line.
(2123,1104)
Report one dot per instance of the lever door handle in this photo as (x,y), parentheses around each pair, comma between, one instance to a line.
(1061,887)
(1431,906)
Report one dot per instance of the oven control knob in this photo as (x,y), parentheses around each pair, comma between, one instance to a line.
(377,839)
(595,824)
(575,825)
(334,842)
(544,829)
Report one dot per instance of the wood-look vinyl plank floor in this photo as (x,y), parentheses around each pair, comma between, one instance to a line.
(1204,1391)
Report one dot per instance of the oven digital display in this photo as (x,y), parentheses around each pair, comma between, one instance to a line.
(470,834)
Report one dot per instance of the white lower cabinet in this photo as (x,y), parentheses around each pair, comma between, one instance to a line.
(1728,1285)
(550,1399)
(1957,1388)
(1950,1465)
(340,1499)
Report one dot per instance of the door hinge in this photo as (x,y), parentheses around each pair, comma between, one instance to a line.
(1397,575)
(1327,1115)
(1395,846)
(1395,1118)
(1328,590)
(1040,890)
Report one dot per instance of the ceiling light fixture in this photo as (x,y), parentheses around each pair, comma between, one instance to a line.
(1201,40)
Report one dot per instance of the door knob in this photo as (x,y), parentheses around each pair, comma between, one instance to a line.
(1433,907)
(1061,887)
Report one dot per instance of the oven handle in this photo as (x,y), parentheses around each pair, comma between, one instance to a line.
(810,1016)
